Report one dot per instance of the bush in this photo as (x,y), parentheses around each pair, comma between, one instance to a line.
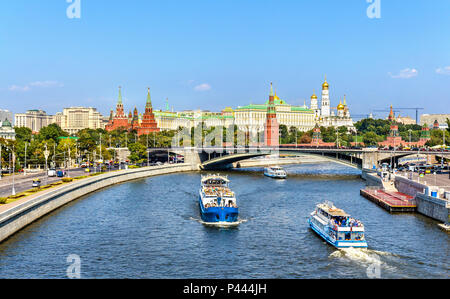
(67,180)
(3,200)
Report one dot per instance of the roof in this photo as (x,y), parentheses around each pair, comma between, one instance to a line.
(332,210)
(215,177)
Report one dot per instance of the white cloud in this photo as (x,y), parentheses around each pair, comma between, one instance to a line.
(202,87)
(40,84)
(46,84)
(405,74)
(443,70)
(19,88)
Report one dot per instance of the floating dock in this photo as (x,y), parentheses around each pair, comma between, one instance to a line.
(392,201)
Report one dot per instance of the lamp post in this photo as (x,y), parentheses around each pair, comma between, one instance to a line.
(14,169)
(1,169)
(46,153)
(409,136)
(25,163)
(337,138)
(148,153)
(101,154)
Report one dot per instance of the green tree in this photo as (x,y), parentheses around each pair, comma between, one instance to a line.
(52,131)
(138,152)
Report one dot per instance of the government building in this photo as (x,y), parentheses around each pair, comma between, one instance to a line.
(252,117)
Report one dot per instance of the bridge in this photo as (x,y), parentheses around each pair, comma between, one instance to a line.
(222,157)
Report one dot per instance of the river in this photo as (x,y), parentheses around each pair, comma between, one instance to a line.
(151,228)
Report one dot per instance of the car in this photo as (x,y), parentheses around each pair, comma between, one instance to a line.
(51,172)
(87,170)
(36,183)
(60,173)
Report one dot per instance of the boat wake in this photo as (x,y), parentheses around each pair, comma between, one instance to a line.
(220,224)
(364,256)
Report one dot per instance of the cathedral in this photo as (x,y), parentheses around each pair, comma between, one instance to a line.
(325,115)
(142,126)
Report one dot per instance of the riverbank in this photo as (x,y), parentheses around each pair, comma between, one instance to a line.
(427,200)
(18,214)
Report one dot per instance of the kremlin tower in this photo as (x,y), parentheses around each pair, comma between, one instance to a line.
(120,120)
(148,124)
(131,122)
(271,127)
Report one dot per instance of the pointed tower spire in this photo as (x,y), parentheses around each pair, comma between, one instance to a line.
(345,101)
(271,89)
(167,104)
(120,95)
(149,99)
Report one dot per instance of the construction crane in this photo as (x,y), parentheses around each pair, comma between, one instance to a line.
(417,112)
(396,110)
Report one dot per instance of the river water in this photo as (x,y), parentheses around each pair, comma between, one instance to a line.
(151,228)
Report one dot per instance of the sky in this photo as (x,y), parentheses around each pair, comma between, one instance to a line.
(211,54)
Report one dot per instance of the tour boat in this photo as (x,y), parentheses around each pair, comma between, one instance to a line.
(275,172)
(337,227)
(216,200)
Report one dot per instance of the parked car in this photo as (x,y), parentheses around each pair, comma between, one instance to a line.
(51,172)
(36,183)
(60,173)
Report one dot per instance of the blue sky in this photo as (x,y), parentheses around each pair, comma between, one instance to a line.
(210,54)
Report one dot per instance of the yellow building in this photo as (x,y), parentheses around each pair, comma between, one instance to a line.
(251,118)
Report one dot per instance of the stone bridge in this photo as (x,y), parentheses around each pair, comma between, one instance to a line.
(215,157)
(223,157)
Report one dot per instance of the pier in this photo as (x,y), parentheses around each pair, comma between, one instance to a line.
(390,200)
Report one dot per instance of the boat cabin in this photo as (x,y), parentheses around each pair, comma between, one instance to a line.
(342,225)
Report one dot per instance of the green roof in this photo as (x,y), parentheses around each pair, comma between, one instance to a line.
(265,106)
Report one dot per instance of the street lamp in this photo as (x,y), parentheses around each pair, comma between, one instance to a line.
(14,169)
(1,169)
(25,163)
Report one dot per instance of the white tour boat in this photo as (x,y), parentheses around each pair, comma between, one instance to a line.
(337,227)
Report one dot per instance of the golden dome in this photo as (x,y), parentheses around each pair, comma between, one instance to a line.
(340,106)
(314,96)
(325,84)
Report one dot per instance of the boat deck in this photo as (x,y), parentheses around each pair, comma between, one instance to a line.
(392,201)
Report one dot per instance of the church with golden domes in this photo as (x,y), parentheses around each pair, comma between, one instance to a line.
(328,116)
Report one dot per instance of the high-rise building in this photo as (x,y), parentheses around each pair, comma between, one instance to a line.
(75,119)
(33,119)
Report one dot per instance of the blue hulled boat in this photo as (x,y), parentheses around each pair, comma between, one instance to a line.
(216,201)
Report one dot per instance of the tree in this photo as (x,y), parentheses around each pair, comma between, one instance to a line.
(370,139)
(52,131)
(138,152)
(23,134)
